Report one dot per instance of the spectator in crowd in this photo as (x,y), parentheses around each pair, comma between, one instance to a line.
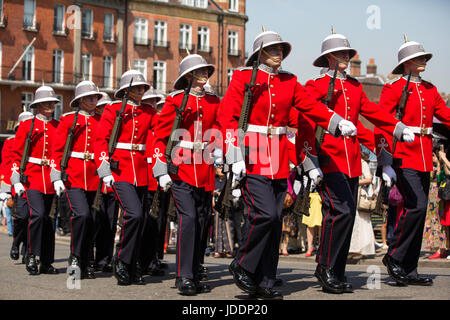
(313,222)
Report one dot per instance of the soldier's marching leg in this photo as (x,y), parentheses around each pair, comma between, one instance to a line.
(407,239)
(40,234)
(131,200)
(20,224)
(82,230)
(339,210)
(162,227)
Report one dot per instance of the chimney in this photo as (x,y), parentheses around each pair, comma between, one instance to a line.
(355,66)
(372,67)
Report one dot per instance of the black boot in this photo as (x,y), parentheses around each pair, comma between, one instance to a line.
(185,286)
(32,265)
(242,278)
(329,281)
(122,273)
(395,270)
(14,253)
(137,276)
(47,269)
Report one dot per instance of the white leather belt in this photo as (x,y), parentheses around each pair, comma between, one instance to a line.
(421,131)
(149,160)
(192,145)
(41,162)
(130,146)
(266,129)
(82,155)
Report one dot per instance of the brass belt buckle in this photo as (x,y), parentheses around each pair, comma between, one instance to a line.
(198,146)
(270,131)
(44,162)
(135,147)
(87,155)
(423,131)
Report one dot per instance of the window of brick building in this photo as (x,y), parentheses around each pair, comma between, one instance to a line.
(58,107)
(140,31)
(159,75)
(203,39)
(27,99)
(86,23)
(233,5)
(108,33)
(58,66)
(28,64)
(107,71)
(187,2)
(233,43)
(86,66)
(29,8)
(141,65)
(185,36)
(160,33)
(58,19)
(230,74)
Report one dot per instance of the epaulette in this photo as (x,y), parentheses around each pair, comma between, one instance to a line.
(393,80)
(352,78)
(175,93)
(286,72)
(319,77)
(244,68)
(426,81)
(67,113)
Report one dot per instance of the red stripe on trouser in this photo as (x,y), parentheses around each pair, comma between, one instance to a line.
(71,227)
(248,214)
(179,235)
(123,225)
(403,224)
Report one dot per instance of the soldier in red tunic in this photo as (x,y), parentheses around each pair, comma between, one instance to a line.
(192,186)
(340,159)
(37,189)
(128,176)
(266,168)
(21,216)
(78,180)
(413,174)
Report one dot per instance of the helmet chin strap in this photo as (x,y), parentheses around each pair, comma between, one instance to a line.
(136,97)
(274,59)
(338,59)
(201,79)
(417,63)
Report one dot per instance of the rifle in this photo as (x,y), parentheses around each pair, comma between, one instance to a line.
(63,164)
(223,204)
(114,164)
(172,168)
(302,201)
(23,163)
(396,162)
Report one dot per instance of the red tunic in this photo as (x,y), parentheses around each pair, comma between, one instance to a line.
(82,172)
(274,96)
(133,166)
(44,135)
(424,102)
(5,172)
(199,125)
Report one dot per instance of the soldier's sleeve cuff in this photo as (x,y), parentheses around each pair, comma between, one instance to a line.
(398,131)
(310,162)
(233,155)
(384,158)
(104,170)
(15,178)
(333,127)
(5,188)
(159,169)
(55,175)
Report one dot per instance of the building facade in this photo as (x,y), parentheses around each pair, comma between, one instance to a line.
(68,41)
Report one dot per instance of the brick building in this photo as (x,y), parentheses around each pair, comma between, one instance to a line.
(100,39)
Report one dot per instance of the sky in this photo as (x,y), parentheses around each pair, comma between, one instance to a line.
(374,28)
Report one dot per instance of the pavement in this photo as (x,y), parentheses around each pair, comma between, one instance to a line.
(368,276)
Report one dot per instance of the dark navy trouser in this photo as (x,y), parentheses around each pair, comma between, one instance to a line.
(20,224)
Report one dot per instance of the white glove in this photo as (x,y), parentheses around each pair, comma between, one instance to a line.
(389,175)
(408,135)
(297,186)
(347,128)
(238,169)
(165,182)
(19,189)
(3,196)
(315,175)
(59,187)
(109,181)
(218,157)
(236,193)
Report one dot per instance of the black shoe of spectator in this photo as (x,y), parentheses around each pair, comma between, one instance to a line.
(121,273)
(186,286)
(14,253)
(395,270)
(242,278)
(32,265)
(330,283)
